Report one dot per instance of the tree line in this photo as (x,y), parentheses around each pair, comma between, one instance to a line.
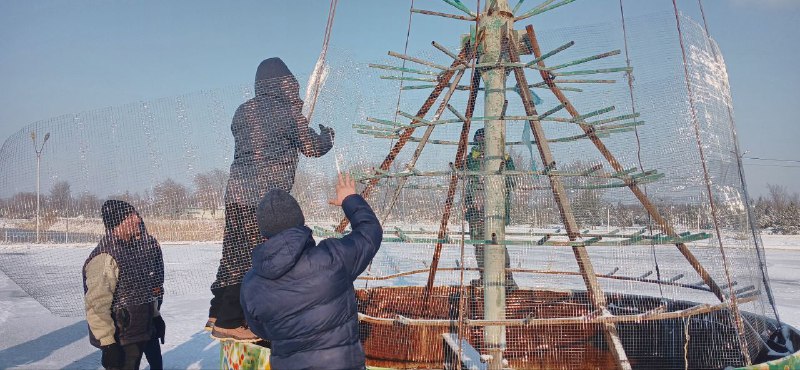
(778,212)
(168,199)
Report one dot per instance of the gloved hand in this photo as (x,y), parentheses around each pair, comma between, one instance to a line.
(113,356)
(326,132)
(161,328)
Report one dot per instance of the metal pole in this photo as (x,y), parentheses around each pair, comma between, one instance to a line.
(497,23)
(38,151)
(38,160)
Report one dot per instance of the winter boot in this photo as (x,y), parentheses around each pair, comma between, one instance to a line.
(240,334)
(210,324)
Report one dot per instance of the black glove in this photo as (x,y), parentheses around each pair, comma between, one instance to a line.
(326,132)
(113,356)
(161,328)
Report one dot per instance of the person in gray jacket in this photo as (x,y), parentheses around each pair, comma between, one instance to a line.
(270,132)
(119,277)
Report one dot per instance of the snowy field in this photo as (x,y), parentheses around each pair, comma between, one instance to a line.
(49,332)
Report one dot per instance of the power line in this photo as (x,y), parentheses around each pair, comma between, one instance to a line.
(769,165)
(773,159)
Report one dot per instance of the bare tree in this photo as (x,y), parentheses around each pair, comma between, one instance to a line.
(210,189)
(60,201)
(23,205)
(88,205)
(170,198)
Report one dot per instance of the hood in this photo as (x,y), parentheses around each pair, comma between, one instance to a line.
(278,255)
(285,88)
(273,77)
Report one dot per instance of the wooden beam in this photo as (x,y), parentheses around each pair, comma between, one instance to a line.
(444,81)
(605,318)
(593,288)
(640,195)
(451,189)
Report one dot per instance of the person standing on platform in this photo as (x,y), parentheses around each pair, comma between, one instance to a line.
(474,203)
(270,132)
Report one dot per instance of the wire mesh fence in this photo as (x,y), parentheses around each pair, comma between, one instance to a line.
(534,202)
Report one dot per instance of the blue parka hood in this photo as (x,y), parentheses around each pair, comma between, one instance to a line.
(275,257)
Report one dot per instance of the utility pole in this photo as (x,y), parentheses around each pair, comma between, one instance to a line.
(497,23)
(38,150)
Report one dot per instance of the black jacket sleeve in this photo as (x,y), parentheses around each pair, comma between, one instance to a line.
(311,143)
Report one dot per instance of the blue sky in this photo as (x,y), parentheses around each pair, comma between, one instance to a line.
(59,57)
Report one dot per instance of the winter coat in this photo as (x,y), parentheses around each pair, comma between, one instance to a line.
(300,295)
(118,281)
(155,275)
(268,131)
(475,194)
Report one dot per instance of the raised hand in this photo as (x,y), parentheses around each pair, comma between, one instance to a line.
(345,187)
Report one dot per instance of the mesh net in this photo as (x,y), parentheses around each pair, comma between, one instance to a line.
(626,235)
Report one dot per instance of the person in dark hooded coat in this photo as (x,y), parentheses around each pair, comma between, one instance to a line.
(474,203)
(299,294)
(270,132)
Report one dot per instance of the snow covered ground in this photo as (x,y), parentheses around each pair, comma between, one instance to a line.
(35,337)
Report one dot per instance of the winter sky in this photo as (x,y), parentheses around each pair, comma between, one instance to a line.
(60,57)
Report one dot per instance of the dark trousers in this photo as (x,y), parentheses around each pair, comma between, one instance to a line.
(476,232)
(228,308)
(133,356)
(240,237)
(152,350)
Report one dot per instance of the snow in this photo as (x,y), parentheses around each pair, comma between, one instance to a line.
(33,337)
(785,242)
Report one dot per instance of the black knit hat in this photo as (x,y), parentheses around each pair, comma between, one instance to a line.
(278,211)
(114,212)
(272,68)
(478,133)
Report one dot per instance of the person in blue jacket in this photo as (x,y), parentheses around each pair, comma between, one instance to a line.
(299,295)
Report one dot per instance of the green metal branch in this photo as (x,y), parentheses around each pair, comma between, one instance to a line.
(541,9)
(516,8)
(401,78)
(592,71)
(418,61)
(584,60)
(445,15)
(445,50)
(460,6)
(549,54)
(401,69)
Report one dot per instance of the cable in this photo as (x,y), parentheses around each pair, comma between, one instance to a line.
(397,109)
(629,76)
(769,165)
(773,159)
(400,88)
